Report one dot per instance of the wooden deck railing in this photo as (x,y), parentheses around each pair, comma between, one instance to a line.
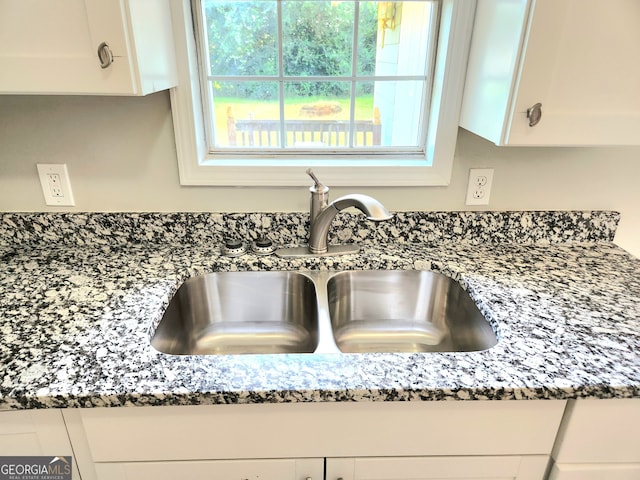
(302,133)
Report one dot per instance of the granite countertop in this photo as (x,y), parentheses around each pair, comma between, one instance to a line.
(80,294)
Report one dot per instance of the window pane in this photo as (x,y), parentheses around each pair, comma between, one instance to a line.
(368,127)
(367,37)
(403,38)
(400,105)
(242,37)
(317,37)
(317,114)
(415,51)
(246,114)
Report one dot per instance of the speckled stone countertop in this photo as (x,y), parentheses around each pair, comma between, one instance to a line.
(80,294)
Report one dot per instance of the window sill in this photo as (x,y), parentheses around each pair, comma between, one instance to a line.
(282,175)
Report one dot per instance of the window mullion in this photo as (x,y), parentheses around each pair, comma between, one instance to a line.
(354,59)
(283,133)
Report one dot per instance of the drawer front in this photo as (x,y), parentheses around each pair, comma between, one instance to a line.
(211,432)
(271,469)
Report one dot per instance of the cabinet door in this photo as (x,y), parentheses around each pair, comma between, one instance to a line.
(269,469)
(575,57)
(515,467)
(601,431)
(35,433)
(52,47)
(585,74)
(628,471)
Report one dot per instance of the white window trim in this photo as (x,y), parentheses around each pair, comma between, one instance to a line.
(454,39)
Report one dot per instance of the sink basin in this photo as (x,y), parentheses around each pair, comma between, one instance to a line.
(321,312)
(240,312)
(404,311)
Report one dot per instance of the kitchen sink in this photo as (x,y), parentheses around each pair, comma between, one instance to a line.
(404,311)
(321,312)
(240,312)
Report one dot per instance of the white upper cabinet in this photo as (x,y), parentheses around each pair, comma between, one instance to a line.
(579,59)
(53,47)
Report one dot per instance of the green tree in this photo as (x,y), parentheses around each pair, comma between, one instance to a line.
(317,41)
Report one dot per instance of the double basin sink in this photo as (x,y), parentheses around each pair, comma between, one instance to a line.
(321,312)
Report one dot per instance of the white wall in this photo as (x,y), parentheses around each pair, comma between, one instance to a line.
(121,156)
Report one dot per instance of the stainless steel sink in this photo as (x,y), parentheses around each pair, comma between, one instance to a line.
(404,311)
(240,312)
(322,312)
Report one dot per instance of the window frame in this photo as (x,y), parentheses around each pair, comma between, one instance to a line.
(196,167)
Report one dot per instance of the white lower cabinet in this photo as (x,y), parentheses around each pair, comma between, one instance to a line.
(487,440)
(492,440)
(35,433)
(598,440)
(514,467)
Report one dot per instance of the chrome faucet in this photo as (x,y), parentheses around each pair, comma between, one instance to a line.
(322,213)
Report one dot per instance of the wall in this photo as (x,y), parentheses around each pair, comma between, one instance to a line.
(121,156)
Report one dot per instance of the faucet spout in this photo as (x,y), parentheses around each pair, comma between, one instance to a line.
(371,207)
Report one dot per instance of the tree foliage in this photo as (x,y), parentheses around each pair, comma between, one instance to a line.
(317,41)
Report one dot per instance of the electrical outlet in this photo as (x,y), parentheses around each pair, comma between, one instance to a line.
(56,187)
(479,187)
(54,183)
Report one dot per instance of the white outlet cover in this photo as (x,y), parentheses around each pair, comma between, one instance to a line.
(479,186)
(64,200)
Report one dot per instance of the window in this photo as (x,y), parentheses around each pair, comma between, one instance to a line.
(316,76)
(368,93)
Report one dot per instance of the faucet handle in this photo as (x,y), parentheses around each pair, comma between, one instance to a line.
(319,196)
(319,187)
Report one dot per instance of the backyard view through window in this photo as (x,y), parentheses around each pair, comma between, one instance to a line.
(317,77)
